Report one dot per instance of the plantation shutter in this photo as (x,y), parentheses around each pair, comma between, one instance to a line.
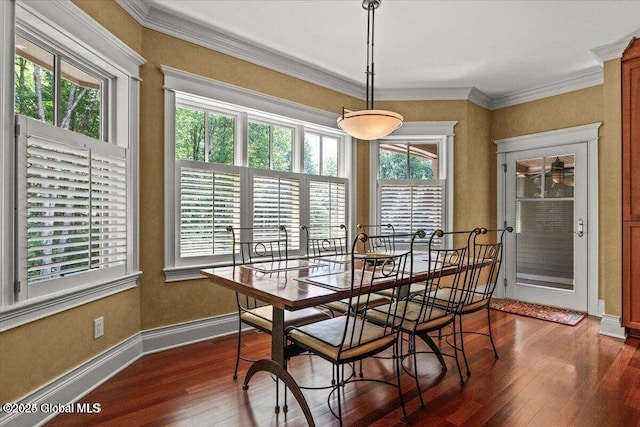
(412,205)
(327,204)
(276,201)
(209,203)
(75,209)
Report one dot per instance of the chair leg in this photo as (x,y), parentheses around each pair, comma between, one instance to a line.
(455,352)
(235,371)
(277,407)
(396,356)
(495,352)
(464,354)
(412,343)
(338,391)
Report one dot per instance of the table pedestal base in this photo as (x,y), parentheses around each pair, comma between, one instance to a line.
(272,367)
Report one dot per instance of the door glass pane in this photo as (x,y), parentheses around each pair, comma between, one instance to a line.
(559,176)
(528,178)
(544,243)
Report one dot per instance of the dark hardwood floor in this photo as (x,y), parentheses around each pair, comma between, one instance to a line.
(547,375)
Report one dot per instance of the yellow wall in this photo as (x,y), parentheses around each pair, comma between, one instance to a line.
(37,353)
(600,103)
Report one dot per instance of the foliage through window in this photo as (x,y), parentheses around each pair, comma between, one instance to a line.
(265,187)
(204,136)
(39,73)
(410,195)
(320,154)
(270,147)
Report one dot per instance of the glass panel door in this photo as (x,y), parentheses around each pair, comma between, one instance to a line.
(546,202)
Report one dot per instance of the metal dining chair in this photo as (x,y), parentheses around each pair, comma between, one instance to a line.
(481,283)
(264,245)
(354,337)
(325,241)
(423,312)
(385,240)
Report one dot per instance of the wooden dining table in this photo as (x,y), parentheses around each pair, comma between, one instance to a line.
(294,285)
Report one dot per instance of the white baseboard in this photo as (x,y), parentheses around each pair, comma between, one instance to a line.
(74,385)
(611,327)
(166,337)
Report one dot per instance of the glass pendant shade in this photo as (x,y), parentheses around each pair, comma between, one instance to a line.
(369,124)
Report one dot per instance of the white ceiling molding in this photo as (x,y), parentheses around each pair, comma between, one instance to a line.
(613,50)
(226,43)
(592,77)
(435,94)
(232,45)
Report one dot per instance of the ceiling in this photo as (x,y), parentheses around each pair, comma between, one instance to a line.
(498,47)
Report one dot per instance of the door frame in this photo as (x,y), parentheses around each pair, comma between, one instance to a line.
(579,134)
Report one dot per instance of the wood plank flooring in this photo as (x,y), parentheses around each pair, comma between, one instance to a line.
(547,375)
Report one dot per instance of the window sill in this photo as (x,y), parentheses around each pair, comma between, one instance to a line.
(29,311)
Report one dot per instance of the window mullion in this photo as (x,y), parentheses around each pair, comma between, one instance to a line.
(57,96)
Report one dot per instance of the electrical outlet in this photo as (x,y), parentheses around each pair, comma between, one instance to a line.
(98,327)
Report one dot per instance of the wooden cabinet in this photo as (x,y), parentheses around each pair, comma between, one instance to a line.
(631,186)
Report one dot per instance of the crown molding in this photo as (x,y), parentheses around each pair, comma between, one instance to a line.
(472,94)
(613,50)
(224,42)
(591,77)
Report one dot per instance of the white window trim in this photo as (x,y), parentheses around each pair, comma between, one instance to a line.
(441,131)
(76,34)
(264,107)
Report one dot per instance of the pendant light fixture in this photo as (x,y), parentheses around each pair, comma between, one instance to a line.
(369,124)
(557,171)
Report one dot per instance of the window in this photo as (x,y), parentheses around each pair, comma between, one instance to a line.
(204,136)
(411,187)
(53,89)
(320,154)
(258,178)
(73,173)
(270,146)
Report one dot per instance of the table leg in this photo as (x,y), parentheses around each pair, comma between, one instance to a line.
(276,364)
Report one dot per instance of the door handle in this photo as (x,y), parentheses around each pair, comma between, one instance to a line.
(580,231)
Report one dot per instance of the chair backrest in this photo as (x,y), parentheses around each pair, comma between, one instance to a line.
(382,237)
(325,240)
(483,276)
(449,269)
(394,270)
(251,244)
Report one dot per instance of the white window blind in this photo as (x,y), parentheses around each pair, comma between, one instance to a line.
(209,203)
(412,205)
(76,207)
(327,204)
(276,201)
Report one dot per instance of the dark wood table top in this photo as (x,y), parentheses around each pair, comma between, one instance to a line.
(300,285)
